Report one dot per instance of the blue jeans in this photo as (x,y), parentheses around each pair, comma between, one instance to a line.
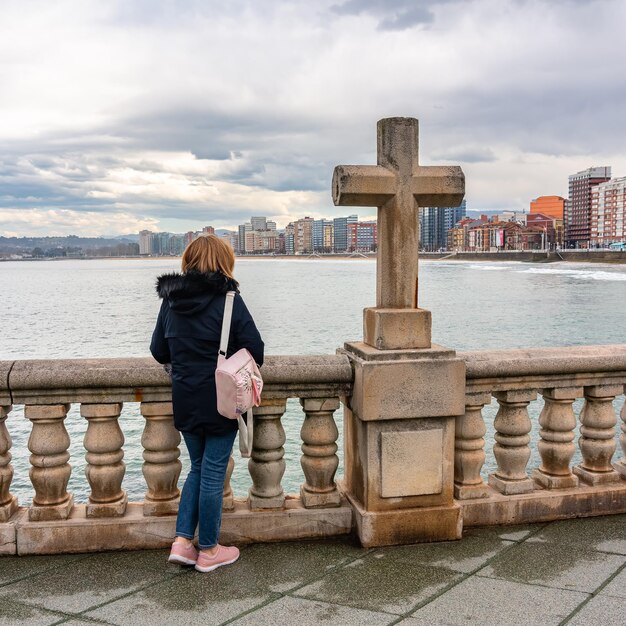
(201,499)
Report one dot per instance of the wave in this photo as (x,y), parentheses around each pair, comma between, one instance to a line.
(490,268)
(581,274)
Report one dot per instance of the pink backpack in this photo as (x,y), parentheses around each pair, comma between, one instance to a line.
(238,382)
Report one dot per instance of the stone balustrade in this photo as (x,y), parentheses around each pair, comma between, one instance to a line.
(55,523)
(571,476)
(557,487)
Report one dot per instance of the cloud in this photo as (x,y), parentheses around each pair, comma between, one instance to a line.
(465,154)
(392,14)
(190,112)
(60,222)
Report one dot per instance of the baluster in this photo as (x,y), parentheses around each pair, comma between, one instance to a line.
(556,446)
(621,465)
(8,502)
(50,471)
(266,464)
(228,503)
(162,466)
(597,441)
(469,449)
(319,459)
(512,438)
(105,468)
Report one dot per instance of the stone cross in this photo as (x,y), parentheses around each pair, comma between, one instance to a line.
(397,186)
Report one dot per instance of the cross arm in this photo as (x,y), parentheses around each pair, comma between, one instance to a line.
(362,185)
(438,185)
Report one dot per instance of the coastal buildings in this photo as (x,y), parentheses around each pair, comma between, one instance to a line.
(553,206)
(362,237)
(145,242)
(323,236)
(435,222)
(608,213)
(447,228)
(551,229)
(161,244)
(340,225)
(536,232)
(578,210)
(303,236)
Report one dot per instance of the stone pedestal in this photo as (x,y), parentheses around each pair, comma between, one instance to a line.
(397,329)
(399,443)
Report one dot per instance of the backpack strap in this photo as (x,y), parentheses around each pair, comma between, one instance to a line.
(246,434)
(246,431)
(228,315)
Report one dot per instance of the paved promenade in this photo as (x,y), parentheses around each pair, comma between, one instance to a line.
(571,572)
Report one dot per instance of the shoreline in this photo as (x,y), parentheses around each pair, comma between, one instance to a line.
(562,256)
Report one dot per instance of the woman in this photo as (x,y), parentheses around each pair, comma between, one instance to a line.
(187,335)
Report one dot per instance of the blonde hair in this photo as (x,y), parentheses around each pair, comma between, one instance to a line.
(209,253)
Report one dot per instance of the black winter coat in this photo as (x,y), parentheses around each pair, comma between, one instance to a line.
(187,335)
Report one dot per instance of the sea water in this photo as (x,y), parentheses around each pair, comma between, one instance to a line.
(107,308)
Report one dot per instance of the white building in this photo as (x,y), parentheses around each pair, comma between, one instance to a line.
(145,242)
(608,212)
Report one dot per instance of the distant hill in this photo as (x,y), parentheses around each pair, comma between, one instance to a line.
(17,244)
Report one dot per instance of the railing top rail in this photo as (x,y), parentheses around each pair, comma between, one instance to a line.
(127,379)
(545,361)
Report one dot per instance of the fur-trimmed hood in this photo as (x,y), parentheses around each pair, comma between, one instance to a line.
(191,292)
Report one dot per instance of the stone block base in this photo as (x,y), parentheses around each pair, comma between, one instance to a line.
(8,534)
(596,478)
(110,509)
(51,513)
(135,531)
(8,509)
(545,505)
(404,526)
(311,500)
(262,504)
(548,481)
(471,492)
(620,468)
(156,508)
(288,524)
(511,487)
(397,329)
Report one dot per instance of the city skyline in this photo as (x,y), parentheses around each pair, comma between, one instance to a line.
(152,133)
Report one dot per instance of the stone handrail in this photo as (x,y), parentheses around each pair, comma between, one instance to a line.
(137,379)
(514,492)
(47,388)
(537,368)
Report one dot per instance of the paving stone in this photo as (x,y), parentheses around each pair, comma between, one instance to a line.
(464,556)
(491,602)
(80,622)
(606,534)
(16,567)
(516,532)
(387,580)
(312,613)
(602,609)
(617,587)
(262,573)
(554,565)
(24,615)
(91,581)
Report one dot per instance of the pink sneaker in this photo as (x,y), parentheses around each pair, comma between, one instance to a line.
(223,556)
(183,553)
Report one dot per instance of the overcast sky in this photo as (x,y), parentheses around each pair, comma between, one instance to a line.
(171,115)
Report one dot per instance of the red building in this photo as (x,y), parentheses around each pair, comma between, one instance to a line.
(578,218)
(362,237)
